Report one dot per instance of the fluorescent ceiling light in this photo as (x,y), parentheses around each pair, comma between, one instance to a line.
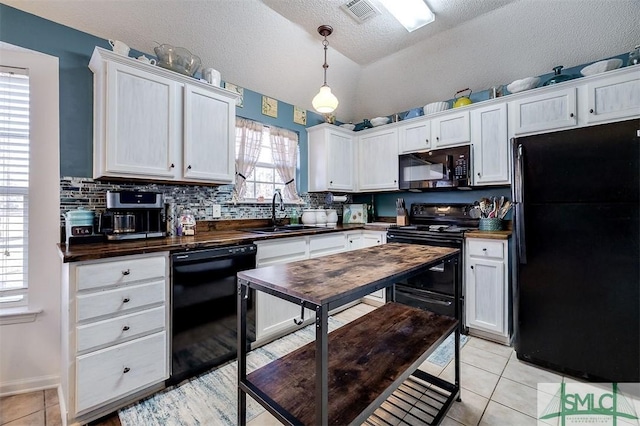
(412,14)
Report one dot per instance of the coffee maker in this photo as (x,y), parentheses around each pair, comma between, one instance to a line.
(133,215)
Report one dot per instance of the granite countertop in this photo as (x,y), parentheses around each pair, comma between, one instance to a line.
(207,238)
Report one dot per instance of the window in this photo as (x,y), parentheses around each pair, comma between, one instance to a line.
(267,159)
(14,186)
(264,179)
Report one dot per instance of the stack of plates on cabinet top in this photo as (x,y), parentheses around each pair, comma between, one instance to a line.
(348,126)
(602,66)
(524,84)
(379,121)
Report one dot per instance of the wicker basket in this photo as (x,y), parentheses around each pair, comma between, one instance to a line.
(490,224)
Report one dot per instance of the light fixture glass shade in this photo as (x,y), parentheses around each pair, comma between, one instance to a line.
(325,101)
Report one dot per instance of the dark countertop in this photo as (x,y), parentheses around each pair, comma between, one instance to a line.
(322,280)
(493,235)
(206,239)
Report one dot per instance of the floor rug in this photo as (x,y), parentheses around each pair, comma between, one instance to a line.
(211,399)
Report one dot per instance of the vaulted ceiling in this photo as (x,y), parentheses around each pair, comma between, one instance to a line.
(375,68)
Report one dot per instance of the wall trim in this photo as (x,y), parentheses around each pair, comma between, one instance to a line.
(29,385)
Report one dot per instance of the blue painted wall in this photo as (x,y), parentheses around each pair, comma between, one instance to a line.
(74,49)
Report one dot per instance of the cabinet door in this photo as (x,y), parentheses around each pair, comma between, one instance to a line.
(490,145)
(370,239)
(274,316)
(485,287)
(340,162)
(549,111)
(142,123)
(378,161)
(209,136)
(451,129)
(355,241)
(613,98)
(415,136)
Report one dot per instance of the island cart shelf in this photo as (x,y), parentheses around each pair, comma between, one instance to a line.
(361,363)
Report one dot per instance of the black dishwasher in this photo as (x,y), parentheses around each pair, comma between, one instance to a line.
(203,308)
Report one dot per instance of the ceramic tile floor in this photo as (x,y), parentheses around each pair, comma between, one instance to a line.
(497,389)
(31,409)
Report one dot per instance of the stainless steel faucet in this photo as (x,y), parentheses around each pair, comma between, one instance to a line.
(273,206)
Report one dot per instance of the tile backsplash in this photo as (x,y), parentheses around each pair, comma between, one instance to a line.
(90,194)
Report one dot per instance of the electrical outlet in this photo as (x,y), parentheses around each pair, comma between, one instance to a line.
(216,210)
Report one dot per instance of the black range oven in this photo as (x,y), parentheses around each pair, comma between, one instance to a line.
(441,226)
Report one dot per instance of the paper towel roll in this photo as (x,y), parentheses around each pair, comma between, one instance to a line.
(330,198)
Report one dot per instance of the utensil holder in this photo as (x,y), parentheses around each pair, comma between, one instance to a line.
(490,224)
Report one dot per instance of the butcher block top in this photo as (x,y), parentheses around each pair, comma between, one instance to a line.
(366,357)
(329,278)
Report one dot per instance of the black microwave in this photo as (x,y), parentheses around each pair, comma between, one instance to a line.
(436,169)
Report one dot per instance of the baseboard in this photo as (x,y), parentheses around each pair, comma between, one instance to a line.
(503,340)
(29,385)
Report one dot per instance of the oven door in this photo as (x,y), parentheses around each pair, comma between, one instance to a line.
(425,300)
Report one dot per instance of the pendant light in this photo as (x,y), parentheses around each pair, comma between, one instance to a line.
(325,102)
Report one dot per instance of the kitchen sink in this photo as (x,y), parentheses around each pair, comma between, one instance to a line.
(281,229)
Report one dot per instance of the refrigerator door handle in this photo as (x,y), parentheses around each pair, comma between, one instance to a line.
(518,200)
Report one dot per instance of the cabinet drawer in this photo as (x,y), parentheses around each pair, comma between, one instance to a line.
(119,300)
(320,245)
(483,248)
(282,251)
(114,330)
(122,271)
(113,372)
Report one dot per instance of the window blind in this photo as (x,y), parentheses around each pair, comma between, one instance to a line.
(14,185)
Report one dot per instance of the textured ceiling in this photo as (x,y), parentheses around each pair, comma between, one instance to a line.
(377,68)
(381,35)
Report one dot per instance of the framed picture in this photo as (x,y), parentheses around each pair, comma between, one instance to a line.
(239,90)
(270,106)
(299,115)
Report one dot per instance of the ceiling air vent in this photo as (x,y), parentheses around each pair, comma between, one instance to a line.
(360,10)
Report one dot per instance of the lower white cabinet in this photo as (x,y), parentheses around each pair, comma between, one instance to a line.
(367,238)
(486,283)
(115,340)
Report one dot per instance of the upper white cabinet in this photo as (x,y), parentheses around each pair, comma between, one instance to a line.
(378,160)
(490,145)
(151,123)
(450,129)
(331,159)
(613,98)
(551,110)
(209,125)
(415,136)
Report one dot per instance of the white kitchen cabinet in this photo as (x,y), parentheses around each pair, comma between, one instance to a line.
(552,110)
(370,239)
(415,136)
(331,159)
(154,124)
(209,125)
(115,316)
(378,160)
(490,144)
(450,129)
(612,98)
(326,244)
(486,282)
(274,316)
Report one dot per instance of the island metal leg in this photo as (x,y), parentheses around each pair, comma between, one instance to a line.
(457,287)
(243,293)
(322,365)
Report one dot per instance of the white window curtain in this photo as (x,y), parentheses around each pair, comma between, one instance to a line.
(284,145)
(14,185)
(248,140)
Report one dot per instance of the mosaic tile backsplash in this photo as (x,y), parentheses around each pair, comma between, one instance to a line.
(90,194)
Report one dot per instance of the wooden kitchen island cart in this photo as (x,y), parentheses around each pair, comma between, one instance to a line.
(345,375)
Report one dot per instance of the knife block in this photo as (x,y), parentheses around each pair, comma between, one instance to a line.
(402,220)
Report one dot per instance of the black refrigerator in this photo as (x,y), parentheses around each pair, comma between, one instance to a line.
(577,237)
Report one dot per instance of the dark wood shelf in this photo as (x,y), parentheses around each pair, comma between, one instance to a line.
(367,360)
